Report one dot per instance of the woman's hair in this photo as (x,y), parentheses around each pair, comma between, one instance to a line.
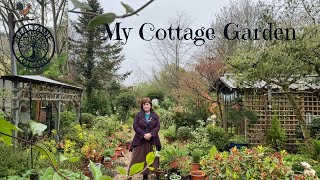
(145,100)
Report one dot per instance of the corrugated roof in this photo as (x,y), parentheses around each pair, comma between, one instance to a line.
(39,79)
(305,84)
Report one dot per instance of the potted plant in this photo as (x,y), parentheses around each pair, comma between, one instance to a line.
(184,167)
(161,169)
(174,177)
(238,141)
(170,134)
(107,162)
(197,175)
(170,153)
(196,155)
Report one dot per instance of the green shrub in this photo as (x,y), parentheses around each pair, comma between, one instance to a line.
(184,133)
(253,163)
(106,124)
(196,155)
(170,133)
(218,137)
(276,136)
(199,139)
(66,118)
(73,175)
(294,160)
(13,161)
(156,94)
(166,104)
(238,139)
(166,117)
(87,119)
(314,128)
(317,169)
(185,118)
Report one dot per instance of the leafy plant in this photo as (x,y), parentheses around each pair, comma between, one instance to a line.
(67,118)
(218,137)
(87,119)
(238,139)
(184,133)
(184,167)
(13,161)
(166,117)
(185,118)
(255,163)
(170,133)
(276,136)
(196,155)
(156,94)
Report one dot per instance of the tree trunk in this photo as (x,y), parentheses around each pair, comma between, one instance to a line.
(297,112)
(42,12)
(55,30)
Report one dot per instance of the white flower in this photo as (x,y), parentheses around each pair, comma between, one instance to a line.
(305,165)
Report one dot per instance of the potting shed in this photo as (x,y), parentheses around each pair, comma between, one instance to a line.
(266,99)
(20,95)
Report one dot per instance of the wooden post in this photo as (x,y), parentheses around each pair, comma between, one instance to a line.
(15,106)
(57,119)
(11,24)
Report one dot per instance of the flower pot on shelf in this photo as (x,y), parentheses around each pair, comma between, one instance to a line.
(195,166)
(197,175)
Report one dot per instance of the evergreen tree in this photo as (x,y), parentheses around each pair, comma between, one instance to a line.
(96,61)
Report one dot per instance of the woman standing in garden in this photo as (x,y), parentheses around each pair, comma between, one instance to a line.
(146,126)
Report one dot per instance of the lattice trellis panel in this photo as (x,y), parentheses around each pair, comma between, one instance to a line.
(257,101)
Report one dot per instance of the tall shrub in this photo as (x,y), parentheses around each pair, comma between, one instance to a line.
(276,136)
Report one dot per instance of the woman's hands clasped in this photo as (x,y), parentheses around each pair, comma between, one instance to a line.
(147,136)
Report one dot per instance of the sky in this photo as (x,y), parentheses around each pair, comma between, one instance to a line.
(159,12)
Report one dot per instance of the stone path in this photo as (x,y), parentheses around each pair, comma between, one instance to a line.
(126,159)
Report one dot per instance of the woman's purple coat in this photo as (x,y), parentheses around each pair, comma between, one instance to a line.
(141,127)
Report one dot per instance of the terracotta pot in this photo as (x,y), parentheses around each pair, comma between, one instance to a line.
(170,140)
(299,177)
(99,160)
(174,165)
(108,164)
(124,148)
(195,166)
(159,172)
(87,173)
(118,151)
(197,175)
(114,157)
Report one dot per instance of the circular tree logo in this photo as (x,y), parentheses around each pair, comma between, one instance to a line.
(33,45)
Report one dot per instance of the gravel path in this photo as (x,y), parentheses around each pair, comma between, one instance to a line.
(126,159)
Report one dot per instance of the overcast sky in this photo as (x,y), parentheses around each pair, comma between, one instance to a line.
(158,13)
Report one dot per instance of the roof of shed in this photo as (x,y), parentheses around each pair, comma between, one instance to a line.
(39,79)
